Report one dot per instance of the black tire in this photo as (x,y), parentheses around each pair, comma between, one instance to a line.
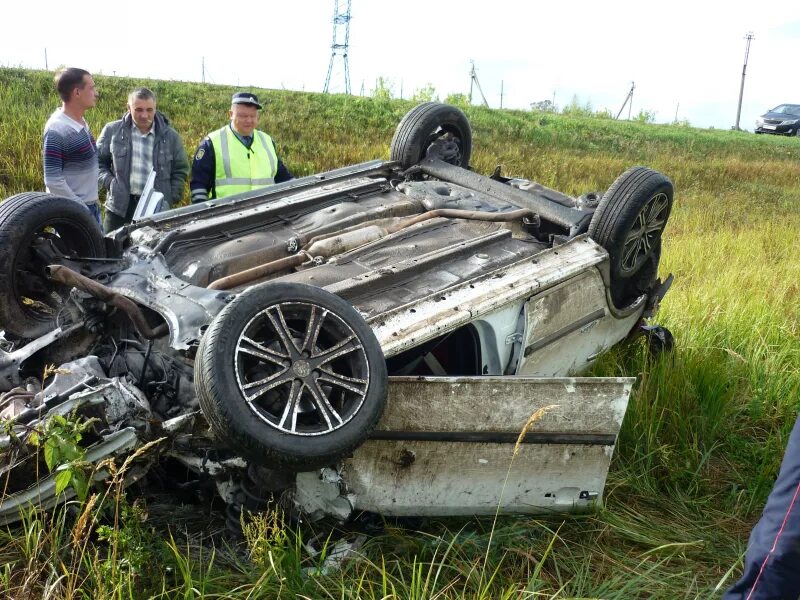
(628,223)
(432,129)
(644,279)
(286,403)
(29,300)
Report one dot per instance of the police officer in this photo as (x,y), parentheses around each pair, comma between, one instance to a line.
(236,158)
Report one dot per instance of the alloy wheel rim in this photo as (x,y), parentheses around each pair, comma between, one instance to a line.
(645,233)
(301,368)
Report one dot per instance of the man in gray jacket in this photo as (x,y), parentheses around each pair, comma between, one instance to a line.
(128,149)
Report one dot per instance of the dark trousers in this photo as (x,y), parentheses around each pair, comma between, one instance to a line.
(114,221)
(772,562)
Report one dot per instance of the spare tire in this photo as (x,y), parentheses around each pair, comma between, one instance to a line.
(628,223)
(432,130)
(33,224)
(290,375)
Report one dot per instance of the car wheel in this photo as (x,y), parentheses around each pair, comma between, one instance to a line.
(290,375)
(36,229)
(628,223)
(432,130)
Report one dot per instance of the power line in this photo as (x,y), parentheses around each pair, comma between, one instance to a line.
(341,42)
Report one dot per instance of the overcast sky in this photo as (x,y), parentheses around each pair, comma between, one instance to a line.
(682,55)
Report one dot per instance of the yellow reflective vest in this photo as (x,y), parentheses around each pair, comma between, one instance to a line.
(241,169)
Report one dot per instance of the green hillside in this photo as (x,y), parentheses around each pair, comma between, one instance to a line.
(701,443)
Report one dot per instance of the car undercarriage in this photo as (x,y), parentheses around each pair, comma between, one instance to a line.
(396,337)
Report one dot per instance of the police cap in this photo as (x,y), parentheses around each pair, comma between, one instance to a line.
(245,98)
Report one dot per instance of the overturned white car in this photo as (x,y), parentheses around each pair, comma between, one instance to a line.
(375,338)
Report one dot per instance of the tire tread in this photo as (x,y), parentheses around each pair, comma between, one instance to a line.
(18,214)
(405,146)
(612,220)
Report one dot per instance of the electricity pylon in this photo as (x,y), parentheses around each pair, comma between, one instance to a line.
(341,42)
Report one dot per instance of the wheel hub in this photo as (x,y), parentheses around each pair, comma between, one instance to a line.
(302,369)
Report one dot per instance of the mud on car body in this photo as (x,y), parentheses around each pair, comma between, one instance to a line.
(370,338)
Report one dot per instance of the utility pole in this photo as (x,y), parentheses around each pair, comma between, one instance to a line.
(501,93)
(341,43)
(676,112)
(473,78)
(628,98)
(749,37)
(203,70)
(46,68)
(630,105)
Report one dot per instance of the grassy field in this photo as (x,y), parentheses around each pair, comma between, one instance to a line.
(702,439)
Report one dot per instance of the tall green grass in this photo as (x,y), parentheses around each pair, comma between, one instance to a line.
(702,439)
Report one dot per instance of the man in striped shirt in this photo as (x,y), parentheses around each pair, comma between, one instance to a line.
(69,151)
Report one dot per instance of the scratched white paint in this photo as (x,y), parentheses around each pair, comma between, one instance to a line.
(447,480)
(398,329)
(474,478)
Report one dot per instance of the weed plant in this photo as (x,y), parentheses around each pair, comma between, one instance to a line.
(702,439)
